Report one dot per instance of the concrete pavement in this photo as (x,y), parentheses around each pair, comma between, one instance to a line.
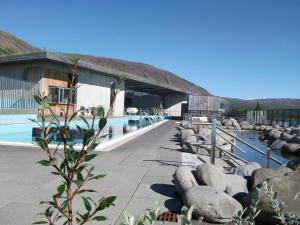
(138,173)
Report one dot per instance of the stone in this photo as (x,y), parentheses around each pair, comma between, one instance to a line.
(290,148)
(286,137)
(273,134)
(262,174)
(244,123)
(295,131)
(227,122)
(277,145)
(236,186)
(288,192)
(212,204)
(184,134)
(211,175)
(295,140)
(247,169)
(184,179)
(294,165)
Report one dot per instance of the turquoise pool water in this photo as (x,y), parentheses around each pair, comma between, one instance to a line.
(18,128)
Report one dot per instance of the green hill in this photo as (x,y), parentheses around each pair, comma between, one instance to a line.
(10,45)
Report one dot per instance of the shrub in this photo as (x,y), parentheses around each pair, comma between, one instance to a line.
(71,165)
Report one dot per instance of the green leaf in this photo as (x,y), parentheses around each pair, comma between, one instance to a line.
(61,189)
(72,117)
(38,99)
(102,123)
(106,202)
(85,121)
(101,112)
(71,155)
(89,157)
(40,222)
(87,204)
(53,162)
(88,190)
(99,218)
(44,162)
(34,121)
(97,177)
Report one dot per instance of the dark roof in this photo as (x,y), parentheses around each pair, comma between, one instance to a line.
(133,70)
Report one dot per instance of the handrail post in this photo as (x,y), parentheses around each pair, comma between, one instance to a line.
(213,142)
(267,158)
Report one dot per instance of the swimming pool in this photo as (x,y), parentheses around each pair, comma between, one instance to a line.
(18,128)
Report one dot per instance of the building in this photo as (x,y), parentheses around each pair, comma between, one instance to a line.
(146,87)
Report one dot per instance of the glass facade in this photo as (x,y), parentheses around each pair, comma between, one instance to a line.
(142,100)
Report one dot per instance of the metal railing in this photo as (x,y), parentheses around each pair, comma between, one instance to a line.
(231,155)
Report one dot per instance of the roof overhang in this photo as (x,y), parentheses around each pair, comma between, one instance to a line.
(131,79)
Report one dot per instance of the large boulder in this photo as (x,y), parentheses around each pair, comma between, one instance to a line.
(212,204)
(273,134)
(227,122)
(288,192)
(286,137)
(295,140)
(294,165)
(185,133)
(290,148)
(262,174)
(235,124)
(185,124)
(236,186)
(247,169)
(184,179)
(295,131)
(246,125)
(277,145)
(211,175)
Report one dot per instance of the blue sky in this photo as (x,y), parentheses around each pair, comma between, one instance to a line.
(234,48)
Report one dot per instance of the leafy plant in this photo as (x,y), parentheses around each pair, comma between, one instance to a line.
(70,165)
(147,219)
(278,208)
(241,219)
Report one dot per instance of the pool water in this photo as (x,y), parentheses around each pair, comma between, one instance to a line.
(18,128)
(253,156)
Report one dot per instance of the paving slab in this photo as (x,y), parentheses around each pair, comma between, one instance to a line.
(139,173)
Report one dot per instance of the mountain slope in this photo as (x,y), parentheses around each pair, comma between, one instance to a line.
(268,103)
(9,45)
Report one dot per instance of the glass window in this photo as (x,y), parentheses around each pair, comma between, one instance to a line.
(60,95)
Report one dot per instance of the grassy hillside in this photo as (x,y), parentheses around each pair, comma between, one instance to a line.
(10,45)
(269,103)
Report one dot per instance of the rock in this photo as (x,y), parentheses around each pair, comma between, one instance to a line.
(211,175)
(290,148)
(230,127)
(235,123)
(273,134)
(184,179)
(288,192)
(227,122)
(294,165)
(236,186)
(244,123)
(295,131)
(295,140)
(246,170)
(286,137)
(277,145)
(287,130)
(212,204)
(184,134)
(262,174)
